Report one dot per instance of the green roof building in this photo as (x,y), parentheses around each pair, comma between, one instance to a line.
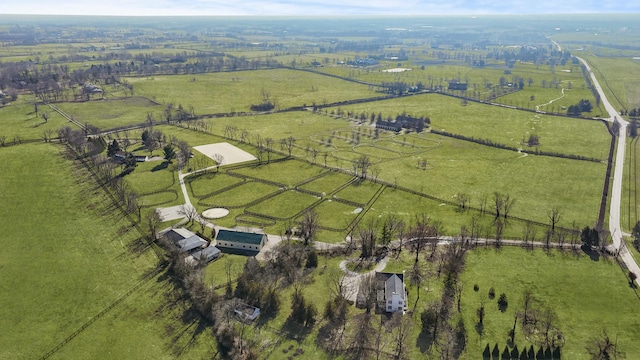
(240,240)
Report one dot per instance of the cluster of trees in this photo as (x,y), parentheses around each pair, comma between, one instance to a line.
(263,106)
(583,105)
(538,322)
(217,309)
(104,169)
(634,113)
(533,140)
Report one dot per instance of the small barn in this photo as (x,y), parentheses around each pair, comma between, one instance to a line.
(185,240)
(250,240)
(205,255)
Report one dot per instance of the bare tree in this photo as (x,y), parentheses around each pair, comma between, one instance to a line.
(554,218)
(462,201)
(420,233)
(402,328)
(219,158)
(289,143)
(368,234)
(483,203)
(367,291)
(497,201)
(153,222)
(507,203)
(309,226)
(189,212)
(604,348)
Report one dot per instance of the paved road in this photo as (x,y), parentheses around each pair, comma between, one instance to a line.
(616,189)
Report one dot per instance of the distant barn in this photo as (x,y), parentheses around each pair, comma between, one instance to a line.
(456,85)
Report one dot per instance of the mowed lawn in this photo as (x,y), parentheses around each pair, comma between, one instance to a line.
(65,251)
(587,296)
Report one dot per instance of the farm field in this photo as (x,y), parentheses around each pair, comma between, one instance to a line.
(112,113)
(501,125)
(218,93)
(81,260)
(579,291)
(82,277)
(619,79)
(20,121)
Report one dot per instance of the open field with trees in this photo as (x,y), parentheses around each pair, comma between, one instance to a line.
(426,147)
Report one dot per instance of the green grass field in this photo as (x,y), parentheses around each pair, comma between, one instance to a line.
(587,296)
(111,113)
(218,92)
(501,125)
(68,254)
(19,119)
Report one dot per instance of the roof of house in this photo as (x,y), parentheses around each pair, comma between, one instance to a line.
(178,234)
(184,239)
(394,285)
(190,243)
(240,237)
(208,253)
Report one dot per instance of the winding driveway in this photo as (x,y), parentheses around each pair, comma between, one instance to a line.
(351,280)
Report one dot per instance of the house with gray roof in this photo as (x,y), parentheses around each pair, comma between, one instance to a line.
(204,256)
(391,293)
(242,240)
(394,294)
(185,240)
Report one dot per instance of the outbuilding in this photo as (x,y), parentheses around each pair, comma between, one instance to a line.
(251,240)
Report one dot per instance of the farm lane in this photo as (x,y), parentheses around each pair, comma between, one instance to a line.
(616,190)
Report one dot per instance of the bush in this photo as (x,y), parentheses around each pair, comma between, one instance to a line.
(312,260)
(503,303)
(492,293)
(476,288)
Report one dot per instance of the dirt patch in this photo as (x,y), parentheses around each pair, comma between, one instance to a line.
(230,154)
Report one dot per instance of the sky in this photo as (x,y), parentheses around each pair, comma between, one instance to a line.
(313,7)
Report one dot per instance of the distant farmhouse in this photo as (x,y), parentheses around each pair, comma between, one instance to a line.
(246,240)
(391,294)
(121,156)
(456,85)
(403,121)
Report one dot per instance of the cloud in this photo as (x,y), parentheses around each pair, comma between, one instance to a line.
(315,7)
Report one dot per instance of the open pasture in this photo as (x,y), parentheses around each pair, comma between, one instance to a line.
(328,183)
(358,191)
(298,124)
(620,80)
(111,113)
(288,172)
(284,205)
(538,183)
(238,196)
(18,119)
(202,185)
(218,92)
(502,125)
(335,215)
(80,253)
(579,291)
